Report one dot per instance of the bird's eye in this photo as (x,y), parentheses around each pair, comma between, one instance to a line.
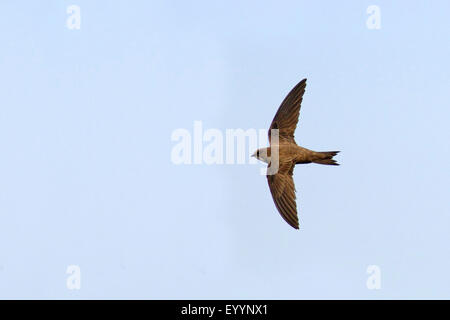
(257,153)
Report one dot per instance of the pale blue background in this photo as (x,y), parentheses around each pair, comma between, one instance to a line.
(86,178)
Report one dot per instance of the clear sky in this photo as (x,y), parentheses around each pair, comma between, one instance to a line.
(86,177)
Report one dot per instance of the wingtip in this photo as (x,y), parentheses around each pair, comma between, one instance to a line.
(294,225)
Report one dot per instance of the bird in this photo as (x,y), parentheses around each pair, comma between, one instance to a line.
(284,153)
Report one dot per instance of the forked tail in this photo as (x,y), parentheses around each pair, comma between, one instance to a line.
(326,158)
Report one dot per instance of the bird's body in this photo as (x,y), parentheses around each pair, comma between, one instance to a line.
(296,154)
(284,153)
(290,151)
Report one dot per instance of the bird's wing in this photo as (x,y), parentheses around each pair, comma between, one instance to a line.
(282,188)
(286,118)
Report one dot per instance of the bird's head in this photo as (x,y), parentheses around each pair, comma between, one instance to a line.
(261,154)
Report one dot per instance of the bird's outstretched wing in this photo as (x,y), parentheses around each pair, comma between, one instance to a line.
(282,188)
(286,118)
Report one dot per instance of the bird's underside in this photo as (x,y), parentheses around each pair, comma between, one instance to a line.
(284,153)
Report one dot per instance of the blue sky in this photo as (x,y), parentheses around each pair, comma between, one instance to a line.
(86,176)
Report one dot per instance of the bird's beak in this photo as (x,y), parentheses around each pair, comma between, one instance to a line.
(253,155)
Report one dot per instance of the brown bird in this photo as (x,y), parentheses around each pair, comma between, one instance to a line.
(284,153)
